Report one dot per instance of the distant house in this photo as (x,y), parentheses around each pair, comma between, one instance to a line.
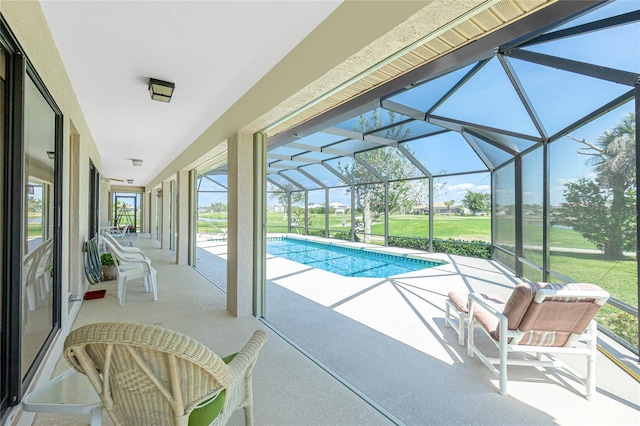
(438,208)
(339,208)
(421,209)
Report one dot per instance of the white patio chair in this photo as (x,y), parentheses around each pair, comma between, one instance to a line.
(43,271)
(132,266)
(123,248)
(119,231)
(34,271)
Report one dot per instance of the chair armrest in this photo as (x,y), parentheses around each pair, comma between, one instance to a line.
(130,249)
(248,354)
(126,264)
(132,255)
(478,298)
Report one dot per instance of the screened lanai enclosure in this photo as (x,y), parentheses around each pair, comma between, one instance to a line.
(525,154)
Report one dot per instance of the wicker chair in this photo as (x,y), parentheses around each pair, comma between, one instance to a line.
(145,374)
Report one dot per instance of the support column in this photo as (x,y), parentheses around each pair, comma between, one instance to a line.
(146,209)
(193,216)
(182,219)
(166,215)
(153,205)
(144,212)
(240,245)
(260,225)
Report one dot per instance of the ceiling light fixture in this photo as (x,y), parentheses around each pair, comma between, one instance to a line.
(136,162)
(161,90)
(129,181)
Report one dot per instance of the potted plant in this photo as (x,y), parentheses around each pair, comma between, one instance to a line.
(109,268)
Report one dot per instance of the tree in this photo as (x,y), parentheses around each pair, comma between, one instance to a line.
(588,210)
(477,202)
(218,206)
(604,211)
(390,163)
(283,200)
(34,204)
(449,204)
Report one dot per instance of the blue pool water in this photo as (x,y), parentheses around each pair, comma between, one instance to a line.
(345,261)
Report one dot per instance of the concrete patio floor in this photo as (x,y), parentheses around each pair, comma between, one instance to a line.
(383,338)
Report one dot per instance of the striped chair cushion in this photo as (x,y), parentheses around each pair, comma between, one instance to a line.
(554,320)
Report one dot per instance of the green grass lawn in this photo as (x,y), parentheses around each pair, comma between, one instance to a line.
(34,229)
(212,223)
(618,277)
(468,228)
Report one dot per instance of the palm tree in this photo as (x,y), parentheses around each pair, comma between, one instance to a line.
(449,204)
(613,157)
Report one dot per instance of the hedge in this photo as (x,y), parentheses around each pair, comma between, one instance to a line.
(463,248)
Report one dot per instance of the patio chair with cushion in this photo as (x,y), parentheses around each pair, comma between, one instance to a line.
(457,306)
(541,318)
(146,374)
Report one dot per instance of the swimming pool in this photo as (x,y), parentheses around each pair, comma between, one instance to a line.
(349,262)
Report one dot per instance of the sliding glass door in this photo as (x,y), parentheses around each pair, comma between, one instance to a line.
(39,317)
(30,220)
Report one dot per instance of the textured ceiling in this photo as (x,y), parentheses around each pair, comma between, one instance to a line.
(216,51)
(213,51)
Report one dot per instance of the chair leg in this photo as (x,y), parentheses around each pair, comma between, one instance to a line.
(43,287)
(31,298)
(248,415)
(47,281)
(503,356)
(154,285)
(123,290)
(462,316)
(592,344)
(447,315)
(470,327)
(120,279)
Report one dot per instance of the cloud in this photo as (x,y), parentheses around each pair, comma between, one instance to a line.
(459,187)
(458,191)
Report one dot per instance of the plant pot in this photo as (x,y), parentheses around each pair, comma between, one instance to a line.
(109,272)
